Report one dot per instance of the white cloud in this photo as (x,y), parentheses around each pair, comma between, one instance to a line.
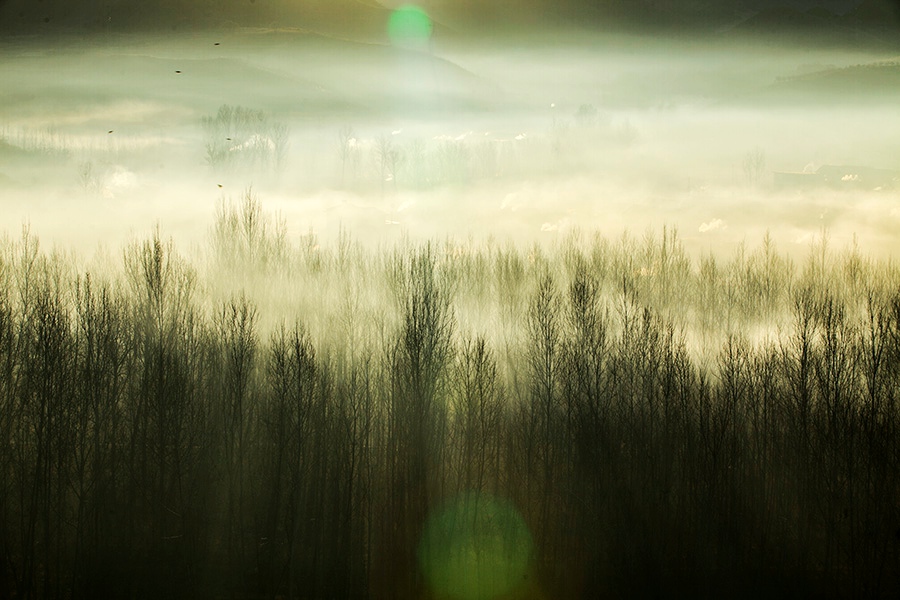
(713,225)
(561,225)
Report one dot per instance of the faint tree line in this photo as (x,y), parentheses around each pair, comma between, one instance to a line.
(244,138)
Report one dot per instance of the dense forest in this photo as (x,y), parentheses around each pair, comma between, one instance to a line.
(448,419)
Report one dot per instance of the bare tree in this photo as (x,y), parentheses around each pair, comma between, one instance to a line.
(347,149)
(754,164)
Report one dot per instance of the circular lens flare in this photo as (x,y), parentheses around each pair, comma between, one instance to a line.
(475,547)
(409,26)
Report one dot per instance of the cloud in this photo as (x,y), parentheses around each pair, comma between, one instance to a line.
(561,225)
(713,225)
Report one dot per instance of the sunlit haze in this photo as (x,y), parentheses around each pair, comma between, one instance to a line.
(607,131)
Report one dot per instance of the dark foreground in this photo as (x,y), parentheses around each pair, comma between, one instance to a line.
(596,419)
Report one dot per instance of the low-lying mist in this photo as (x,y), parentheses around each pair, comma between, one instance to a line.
(607,134)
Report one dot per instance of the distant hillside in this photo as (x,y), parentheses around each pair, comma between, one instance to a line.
(872,84)
(374,75)
(875,79)
(286,71)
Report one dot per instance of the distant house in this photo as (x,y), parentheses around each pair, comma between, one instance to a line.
(844,177)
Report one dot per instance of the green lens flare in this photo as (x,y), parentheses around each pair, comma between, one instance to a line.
(475,547)
(409,25)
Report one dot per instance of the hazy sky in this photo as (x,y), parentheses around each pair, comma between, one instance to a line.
(366,17)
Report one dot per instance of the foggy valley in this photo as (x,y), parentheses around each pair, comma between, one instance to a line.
(607,134)
(324,312)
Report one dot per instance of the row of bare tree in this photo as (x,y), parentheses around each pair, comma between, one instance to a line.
(152,446)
